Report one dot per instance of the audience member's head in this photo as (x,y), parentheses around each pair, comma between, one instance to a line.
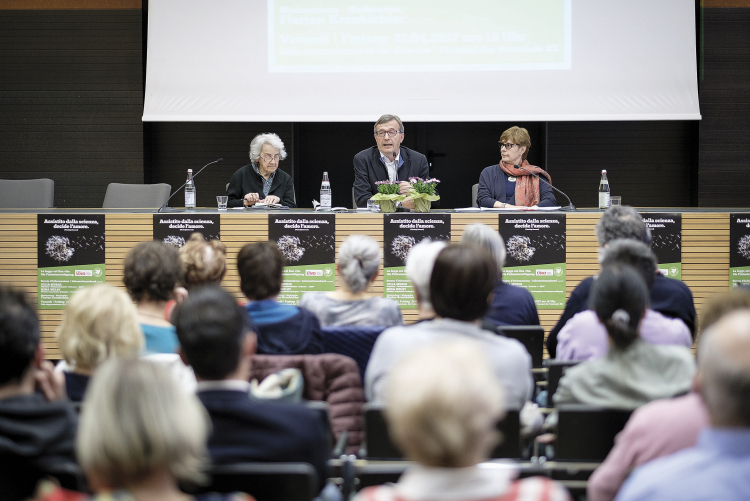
(203,262)
(99,322)
(151,271)
(213,332)
(462,280)
(443,403)
(619,297)
(723,378)
(633,253)
(718,305)
(419,264)
(622,221)
(260,265)
(137,425)
(359,258)
(489,239)
(19,335)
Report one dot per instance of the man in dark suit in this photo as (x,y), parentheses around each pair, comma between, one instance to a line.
(217,340)
(387,161)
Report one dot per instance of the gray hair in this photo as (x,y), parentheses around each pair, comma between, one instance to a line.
(487,238)
(359,258)
(622,221)
(631,252)
(266,138)
(135,420)
(724,369)
(387,118)
(442,404)
(419,264)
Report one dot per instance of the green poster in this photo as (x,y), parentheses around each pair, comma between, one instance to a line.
(397,287)
(739,249)
(70,255)
(308,246)
(535,256)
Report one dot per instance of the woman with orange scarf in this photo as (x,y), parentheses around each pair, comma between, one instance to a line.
(506,185)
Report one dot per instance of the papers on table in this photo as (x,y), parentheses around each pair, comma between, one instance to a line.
(506,209)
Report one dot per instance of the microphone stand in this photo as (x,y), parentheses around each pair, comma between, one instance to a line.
(164,207)
(570,205)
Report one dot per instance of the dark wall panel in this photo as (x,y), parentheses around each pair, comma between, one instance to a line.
(71,98)
(725,107)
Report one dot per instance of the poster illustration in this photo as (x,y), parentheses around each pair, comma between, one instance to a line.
(70,255)
(175,229)
(535,256)
(666,241)
(308,244)
(739,250)
(401,231)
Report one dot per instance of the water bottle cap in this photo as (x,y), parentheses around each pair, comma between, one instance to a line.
(325,173)
(190,170)
(604,171)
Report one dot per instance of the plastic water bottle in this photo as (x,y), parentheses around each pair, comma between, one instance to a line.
(190,191)
(604,191)
(325,192)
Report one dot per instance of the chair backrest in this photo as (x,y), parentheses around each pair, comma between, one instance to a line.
(27,193)
(263,481)
(531,336)
(379,444)
(136,196)
(353,341)
(586,433)
(555,370)
(474,191)
(354,200)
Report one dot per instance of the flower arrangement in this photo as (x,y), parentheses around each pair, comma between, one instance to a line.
(423,191)
(387,196)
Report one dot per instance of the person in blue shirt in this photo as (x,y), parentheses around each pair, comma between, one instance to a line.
(718,467)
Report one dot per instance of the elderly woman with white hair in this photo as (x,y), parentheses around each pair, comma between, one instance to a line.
(511,304)
(442,405)
(358,263)
(261,181)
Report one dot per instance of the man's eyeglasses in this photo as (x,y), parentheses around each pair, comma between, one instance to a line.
(508,146)
(268,157)
(389,133)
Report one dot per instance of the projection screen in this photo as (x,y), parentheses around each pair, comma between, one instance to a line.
(425,60)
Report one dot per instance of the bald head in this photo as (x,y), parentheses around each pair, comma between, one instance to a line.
(724,370)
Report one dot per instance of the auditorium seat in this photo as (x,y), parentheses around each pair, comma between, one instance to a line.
(586,433)
(27,193)
(474,191)
(531,336)
(555,370)
(136,196)
(353,341)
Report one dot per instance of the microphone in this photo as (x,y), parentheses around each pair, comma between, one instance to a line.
(170,209)
(570,205)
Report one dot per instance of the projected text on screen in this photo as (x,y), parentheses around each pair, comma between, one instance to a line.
(418,35)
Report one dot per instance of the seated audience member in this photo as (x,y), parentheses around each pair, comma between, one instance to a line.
(282,329)
(505,185)
(37,429)
(442,406)
(151,273)
(584,337)
(359,259)
(460,286)
(664,426)
(203,262)
(216,340)
(718,467)
(633,372)
(511,305)
(99,322)
(419,264)
(668,296)
(140,435)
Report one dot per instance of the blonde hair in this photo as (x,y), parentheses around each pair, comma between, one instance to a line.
(519,136)
(136,420)
(100,321)
(442,405)
(196,269)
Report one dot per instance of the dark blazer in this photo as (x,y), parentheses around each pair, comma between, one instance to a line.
(512,305)
(492,188)
(246,180)
(669,297)
(249,431)
(368,168)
